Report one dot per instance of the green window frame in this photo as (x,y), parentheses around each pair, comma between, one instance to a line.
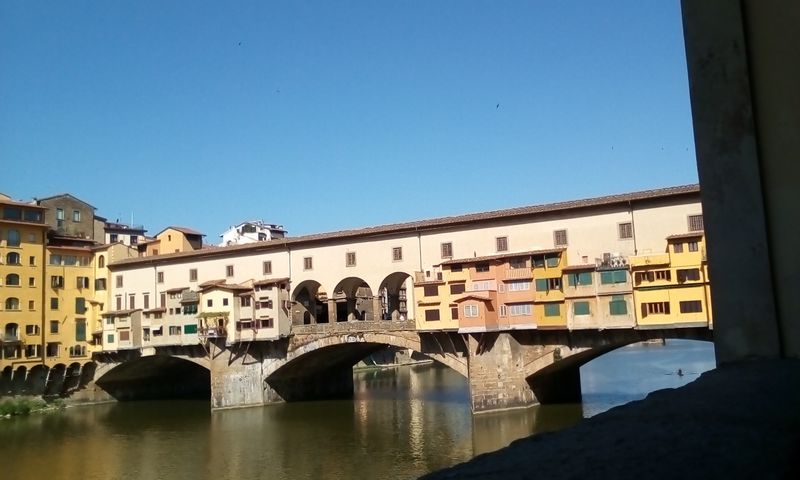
(541,285)
(613,276)
(579,279)
(552,310)
(80,330)
(618,305)
(110,338)
(191,328)
(552,261)
(581,308)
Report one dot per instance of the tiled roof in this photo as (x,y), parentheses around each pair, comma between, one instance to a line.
(587,266)
(270,281)
(680,236)
(424,225)
(184,230)
(176,290)
(119,312)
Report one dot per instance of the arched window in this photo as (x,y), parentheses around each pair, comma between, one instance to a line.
(13,258)
(12,280)
(12,331)
(13,238)
(12,303)
(101,261)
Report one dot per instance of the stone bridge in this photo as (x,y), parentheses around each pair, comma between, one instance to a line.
(504,369)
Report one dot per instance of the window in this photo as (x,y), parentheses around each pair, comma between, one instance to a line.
(124,335)
(613,276)
(31,305)
(12,303)
(100,284)
(33,351)
(245,301)
(579,279)
(476,286)
(397,254)
(210,303)
(101,261)
(457,288)
(53,349)
(693,247)
(580,308)
(132,301)
(431,315)
(552,260)
(224,302)
(119,302)
(447,250)
(454,313)
(32,261)
(470,311)
(228,270)
(12,280)
(80,305)
(625,230)
(677,248)
(456,267)
(655,308)
(350,259)
(552,310)
(31,329)
(56,281)
(112,238)
(110,338)
(54,326)
(190,309)
(519,286)
(503,311)
(547,284)
(82,282)
(70,260)
(308,263)
(691,306)
(663,275)
(192,274)
(689,274)
(80,330)
(134,239)
(175,330)
(266,267)
(31,281)
(146,300)
(53,303)
(501,244)
(482,267)
(160,277)
(119,281)
(516,263)
(13,258)
(520,309)
(560,238)
(618,305)
(59,214)
(431,290)
(76,215)
(162,300)
(695,223)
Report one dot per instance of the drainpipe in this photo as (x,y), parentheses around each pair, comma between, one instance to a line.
(633,228)
(44,333)
(419,247)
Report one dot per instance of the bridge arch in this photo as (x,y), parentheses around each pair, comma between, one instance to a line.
(155,376)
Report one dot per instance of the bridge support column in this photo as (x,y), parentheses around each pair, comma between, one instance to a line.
(562,386)
(236,377)
(332,311)
(496,377)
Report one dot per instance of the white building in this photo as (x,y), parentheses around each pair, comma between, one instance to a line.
(250,232)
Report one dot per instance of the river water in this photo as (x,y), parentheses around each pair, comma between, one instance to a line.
(402,423)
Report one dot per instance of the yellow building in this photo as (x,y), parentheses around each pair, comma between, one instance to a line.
(548,297)
(435,307)
(22,240)
(172,240)
(672,288)
(68,291)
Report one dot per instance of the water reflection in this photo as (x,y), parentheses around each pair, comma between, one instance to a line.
(402,423)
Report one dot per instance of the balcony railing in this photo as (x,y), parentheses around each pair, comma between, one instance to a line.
(519,273)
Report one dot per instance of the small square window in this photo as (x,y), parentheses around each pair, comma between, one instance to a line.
(447,250)
(160,277)
(677,248)
(695,223)
(267,268)
(560,238)
(501,244)
(119,281)
(76,216)
(350,259)
(397,254)
(308,263)
(210,303)
(229,270)
(625,230)
(193,275)
(224,302)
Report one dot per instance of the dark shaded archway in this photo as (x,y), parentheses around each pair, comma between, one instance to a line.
(156,377)
(309,303)
(354,300)
(393,296)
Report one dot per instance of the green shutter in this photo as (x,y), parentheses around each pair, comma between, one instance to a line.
(618,306)
(606,278)
(620,276)
(552,310)
(580,308)
(552,261)
(80,331)
(572,279)
(585,278)
(192,328)
(541,285)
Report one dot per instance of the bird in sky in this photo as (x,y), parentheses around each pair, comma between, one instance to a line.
(497,106)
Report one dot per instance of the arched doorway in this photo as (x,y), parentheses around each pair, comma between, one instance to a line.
(354,300)
(393,296)
(310,303)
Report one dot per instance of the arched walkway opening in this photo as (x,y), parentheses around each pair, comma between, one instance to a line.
(353,300)
(156,377)
(393,293)
(309,303)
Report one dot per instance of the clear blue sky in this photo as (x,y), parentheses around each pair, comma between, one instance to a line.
(330,115)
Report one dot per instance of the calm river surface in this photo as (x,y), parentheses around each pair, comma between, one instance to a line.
(402,423)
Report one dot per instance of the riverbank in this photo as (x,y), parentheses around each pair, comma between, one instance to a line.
(21,406)
(738,421)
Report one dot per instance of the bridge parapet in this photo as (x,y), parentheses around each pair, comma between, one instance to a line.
(355,326)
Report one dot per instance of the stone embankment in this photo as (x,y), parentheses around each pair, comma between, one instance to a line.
(736,422)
